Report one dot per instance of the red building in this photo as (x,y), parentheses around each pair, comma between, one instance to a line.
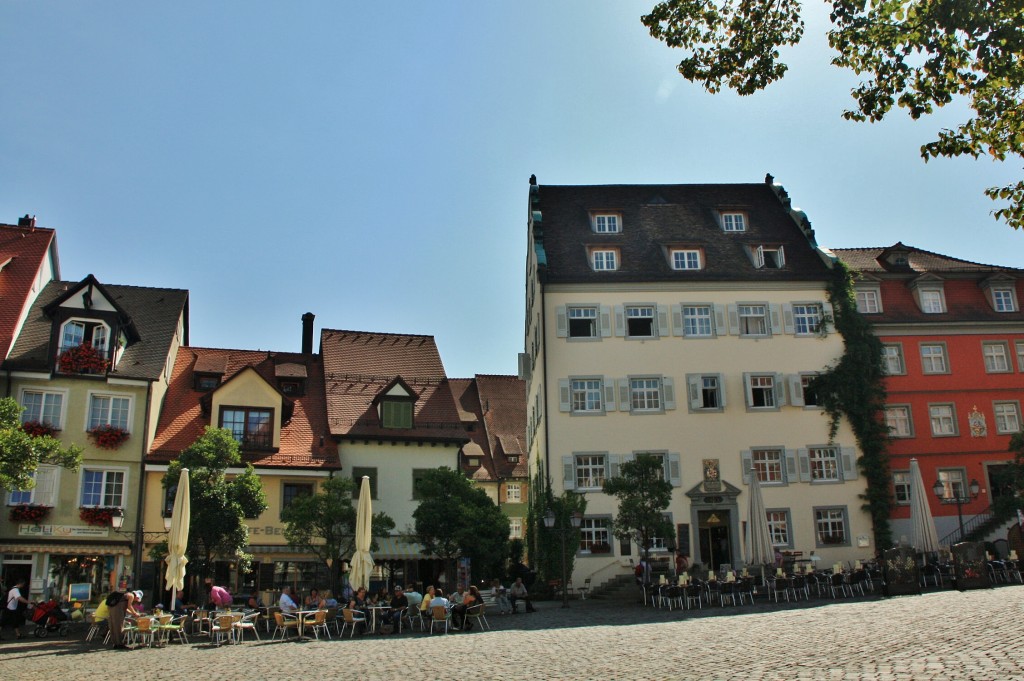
(953,343)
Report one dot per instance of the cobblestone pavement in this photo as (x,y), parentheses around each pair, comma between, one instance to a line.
(976,635)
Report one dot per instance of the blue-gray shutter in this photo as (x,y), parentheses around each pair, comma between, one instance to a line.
(620,320)
(796,389)
(788,325)
(747,466)
(693,386)
(746,389)
(624,402)
(564,395)
(663,327)
(849,455)
(805,464)
(668,387)
(674,475)
(609,393)
(779,385)
(721,389)
(721,329)
(568,473)
(776,318)
(605,320)
(734,319)
(677,320)
(561,322)
(613,465)
(790,457)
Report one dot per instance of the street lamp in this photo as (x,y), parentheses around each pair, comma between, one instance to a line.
(549,522)
(958,498)
(140,535)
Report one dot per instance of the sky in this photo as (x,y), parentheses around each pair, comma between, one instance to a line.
(369,162)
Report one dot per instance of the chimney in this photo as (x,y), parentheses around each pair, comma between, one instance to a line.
(307,333)
(27,221)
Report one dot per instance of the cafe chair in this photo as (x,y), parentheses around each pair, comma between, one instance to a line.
(350,618)
(143,631)
(584,590)
(439,617)
(247,623)
(284,625)
(95,627)
(727,592)
(477,613)
(694,594)
(781,585)
(319,624)
(223,626)
(837,582)
(409,616)
(858,579)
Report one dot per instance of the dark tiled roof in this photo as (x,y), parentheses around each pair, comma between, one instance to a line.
(182,418)
(358,365)
(23,249)
(153,311)
(655,217)
(918,261)
(503,401)
(467,400)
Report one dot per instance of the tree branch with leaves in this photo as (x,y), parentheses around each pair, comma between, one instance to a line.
(21,453)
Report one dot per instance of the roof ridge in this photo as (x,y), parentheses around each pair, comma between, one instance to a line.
(124,286)
(915,249)
(377,333)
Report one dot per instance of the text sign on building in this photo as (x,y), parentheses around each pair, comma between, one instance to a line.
(59,531)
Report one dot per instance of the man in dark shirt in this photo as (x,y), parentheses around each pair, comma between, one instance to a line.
(399,605)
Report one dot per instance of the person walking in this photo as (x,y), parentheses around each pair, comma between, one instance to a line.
(15,607)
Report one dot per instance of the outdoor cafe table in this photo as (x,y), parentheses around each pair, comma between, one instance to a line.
(374,610)
(303,616)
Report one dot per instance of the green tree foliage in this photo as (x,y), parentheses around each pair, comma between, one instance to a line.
(915,54)
(219,505)
(853,387)
(324,524)
(21,453)
(643,495)
(456,518)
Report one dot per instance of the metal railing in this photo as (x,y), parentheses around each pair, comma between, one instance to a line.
(970,526)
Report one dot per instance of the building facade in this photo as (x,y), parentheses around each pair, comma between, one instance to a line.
(685,321)
(953,345)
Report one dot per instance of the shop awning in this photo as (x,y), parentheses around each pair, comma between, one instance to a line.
(68,548)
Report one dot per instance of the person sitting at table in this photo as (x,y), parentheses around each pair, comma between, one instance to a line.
(286,602)
(469,599)
(428,596)
(359,601)
(500,595)
(253,602)
(414,596)
(329,600)
(399,606)
(439,599)
(518,592)
(314,601)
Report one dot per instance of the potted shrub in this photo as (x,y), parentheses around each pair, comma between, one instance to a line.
(108,437)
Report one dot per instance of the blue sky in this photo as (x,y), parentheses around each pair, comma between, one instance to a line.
(368,162)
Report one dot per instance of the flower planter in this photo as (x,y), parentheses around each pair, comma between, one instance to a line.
(82,359)
(37,429)
(99,516)
(108,437)
(30,513)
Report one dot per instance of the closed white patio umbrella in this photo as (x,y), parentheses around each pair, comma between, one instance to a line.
(760,550)
(923,536)
(362,561)
(177,538)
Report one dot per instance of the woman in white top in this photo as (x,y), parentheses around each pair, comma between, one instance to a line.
(16,604)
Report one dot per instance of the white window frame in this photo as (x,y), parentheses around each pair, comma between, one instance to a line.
(513,492)
(828,519)
(733,221)
(1007,416)
(754,311)
(942,417)
(696,320)
(780,527)
(1004,300)
(590,468)
(808,397)
(588,312)
(106,470)
(769,386)
(44,394)
(899,420)
(515,528)
(930,360)
(47,479)
(594,530)
(893,353)
(604,259)
(996,355)
(901,487)
(769,257)
(772,465)
(640,312)
(953,482)
(646,391)
(869,301)
(83,323)
(686,259)
(93,395)
(933,300)
(585,388)
(826,464)
(606,223)
(807,319)
(700,387)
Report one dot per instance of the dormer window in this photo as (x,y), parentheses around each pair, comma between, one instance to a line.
(1000,293)
(252,428)
(685,259)
(604,260)
(292,388)
(396,413)
(733,222)
(768,257)
(606,223)
(77,332)
(206,382)
(931,301)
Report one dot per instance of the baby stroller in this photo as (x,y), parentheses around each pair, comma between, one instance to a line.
(48,618)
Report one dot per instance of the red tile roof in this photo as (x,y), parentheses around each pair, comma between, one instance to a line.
(22,251)
(182,419)
(503,401)
(358,365)
(918,260)
(467,400)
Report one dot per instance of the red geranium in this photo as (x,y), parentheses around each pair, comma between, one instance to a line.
(108,437)
(97,516)
(38,429)
(28,513)
(82,359)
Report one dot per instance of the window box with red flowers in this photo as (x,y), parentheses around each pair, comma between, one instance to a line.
(37,429)
(98,515)
(108,437)
(82,359)
(28,513)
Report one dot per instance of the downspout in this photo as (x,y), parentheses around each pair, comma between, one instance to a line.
(140,504)
(544,371)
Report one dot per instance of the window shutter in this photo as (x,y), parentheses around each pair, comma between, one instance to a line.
(524,366)
(620,321)
(773,312)
(677,319)
(790,465)
(747,465)
(805,465)
(663,327)
(782,257)
(796,390)
(759,257)
(623,394)
(673,469)
(779,385)
(721,390)
(564,396)
(734,320)
(668,387)
(788,326)
(607,466)
(826,309)
(693,386)
(606,321)
(568,473)
(561,322)
(720,328)
(45,493)
(746,389)
(609,393)
(613,465)
(849,455)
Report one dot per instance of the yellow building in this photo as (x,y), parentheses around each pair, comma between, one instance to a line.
(685,321)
